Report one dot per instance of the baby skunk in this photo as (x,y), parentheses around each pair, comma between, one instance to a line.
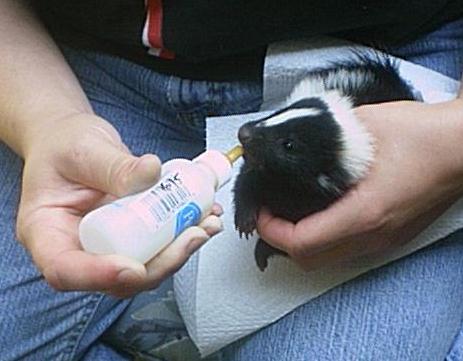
(301,158)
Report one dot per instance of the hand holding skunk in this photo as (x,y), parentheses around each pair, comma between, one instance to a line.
(310,158)
(416,175)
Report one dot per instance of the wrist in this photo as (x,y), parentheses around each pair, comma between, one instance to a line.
(58,133)
(20,133)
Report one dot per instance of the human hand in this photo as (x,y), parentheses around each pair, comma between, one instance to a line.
(74,167)
(416,176)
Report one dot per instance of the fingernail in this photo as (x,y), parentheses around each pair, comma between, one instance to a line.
(213,230)
(212,225)
(217,210)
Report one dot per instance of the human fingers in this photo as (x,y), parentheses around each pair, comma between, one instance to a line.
(322,230)
(174,256)
(65,266)
(217,209)
(212,224)
(366,247)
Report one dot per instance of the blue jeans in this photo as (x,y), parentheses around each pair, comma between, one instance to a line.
(408,310)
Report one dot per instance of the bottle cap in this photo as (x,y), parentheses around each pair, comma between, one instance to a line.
(218,163)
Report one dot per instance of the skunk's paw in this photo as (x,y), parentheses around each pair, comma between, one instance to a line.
(263,252)
(245,222)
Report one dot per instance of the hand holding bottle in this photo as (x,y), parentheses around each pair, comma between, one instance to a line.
(142,225)
(75,166)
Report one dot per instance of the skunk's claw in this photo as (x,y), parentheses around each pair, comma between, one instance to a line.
(245,223)
(263,252)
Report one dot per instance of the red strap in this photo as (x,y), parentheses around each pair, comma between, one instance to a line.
(154,8)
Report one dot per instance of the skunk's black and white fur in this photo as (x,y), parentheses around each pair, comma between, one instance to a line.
(301,158)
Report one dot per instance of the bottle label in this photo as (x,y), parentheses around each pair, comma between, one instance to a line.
(161,202)
(188,216)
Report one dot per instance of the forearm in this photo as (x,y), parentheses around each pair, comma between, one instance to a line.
(37,87)
(446,135)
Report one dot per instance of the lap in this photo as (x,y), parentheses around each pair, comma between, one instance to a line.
(31,313)
(408,310)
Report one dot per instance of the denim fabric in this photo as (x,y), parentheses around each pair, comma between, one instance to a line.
(442,50)
(409,310)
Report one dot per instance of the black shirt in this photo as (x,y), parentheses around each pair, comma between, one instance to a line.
(226,39)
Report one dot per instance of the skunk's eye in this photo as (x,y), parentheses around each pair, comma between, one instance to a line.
(288,145)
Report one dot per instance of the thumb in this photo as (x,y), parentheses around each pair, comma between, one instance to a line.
(109,167)
(129,174)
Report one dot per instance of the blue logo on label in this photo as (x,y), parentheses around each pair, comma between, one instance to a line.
(188,216)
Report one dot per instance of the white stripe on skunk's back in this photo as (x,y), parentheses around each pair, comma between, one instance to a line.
(358,144)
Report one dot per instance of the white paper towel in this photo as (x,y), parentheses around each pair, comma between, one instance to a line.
(221,294)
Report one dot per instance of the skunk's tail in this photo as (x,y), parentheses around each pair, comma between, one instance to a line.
(368,76)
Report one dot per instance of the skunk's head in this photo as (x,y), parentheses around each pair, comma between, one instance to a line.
(313,139)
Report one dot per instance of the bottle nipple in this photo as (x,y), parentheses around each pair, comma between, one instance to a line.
(234,154)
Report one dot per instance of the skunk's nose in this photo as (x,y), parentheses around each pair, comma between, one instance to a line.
(244,134)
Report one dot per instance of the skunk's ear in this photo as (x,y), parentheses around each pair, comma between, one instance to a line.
(357,143)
